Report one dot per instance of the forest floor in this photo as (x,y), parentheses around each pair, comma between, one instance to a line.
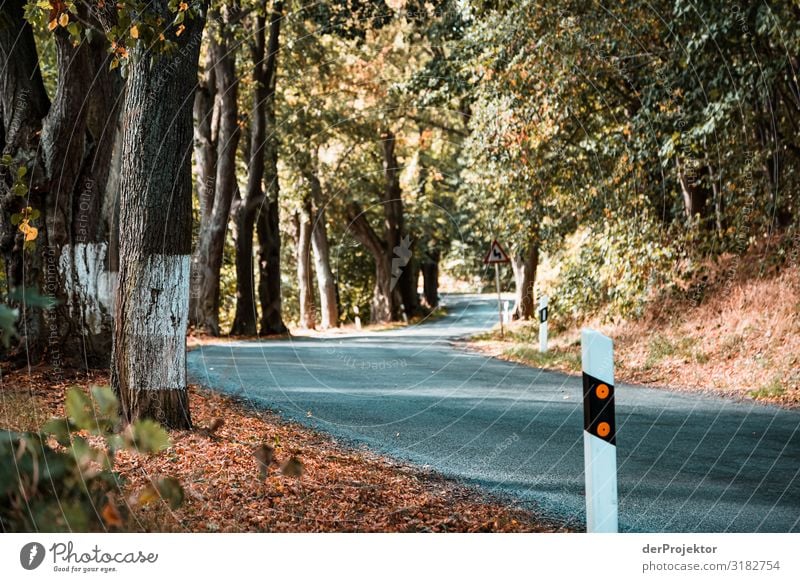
(739,338)
(312,484)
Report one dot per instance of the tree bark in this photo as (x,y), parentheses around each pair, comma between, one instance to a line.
(696,194)
(525,265)
(268,221)
(304,273)
(394,273)
(211,243)
(384,306)
(66,147)
(430,280)
(326,283)
(24,105)
(149,359)
(246,207)
(244,321)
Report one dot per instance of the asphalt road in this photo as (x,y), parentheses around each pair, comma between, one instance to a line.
(687,463)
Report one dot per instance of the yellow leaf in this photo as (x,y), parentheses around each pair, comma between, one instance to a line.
(134,32)
(52,25)
(63,20)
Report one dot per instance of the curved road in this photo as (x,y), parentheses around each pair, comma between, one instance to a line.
(686,462)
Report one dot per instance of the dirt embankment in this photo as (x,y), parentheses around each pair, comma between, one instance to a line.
(738,337)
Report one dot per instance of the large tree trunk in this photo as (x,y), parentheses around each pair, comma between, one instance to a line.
(24,105)
(149,361)
(81,171)
(525,265)
(268,222)
(244,321)
(430,280)
(206,127)
(326,283)
(394,277)
(384,306)
(211,243)
(246,207)
(269,266)
(66,149)
(398,243)
(304,274)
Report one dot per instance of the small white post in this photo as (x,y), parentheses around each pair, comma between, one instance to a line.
(499,298)
(506,314)
(543,323)
(357,319)
(599,432)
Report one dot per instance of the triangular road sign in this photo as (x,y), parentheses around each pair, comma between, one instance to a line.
(496,254)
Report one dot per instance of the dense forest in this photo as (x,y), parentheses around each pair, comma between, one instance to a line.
(244,167)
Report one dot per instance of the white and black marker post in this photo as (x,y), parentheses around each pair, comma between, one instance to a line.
(599,432)
(543,323)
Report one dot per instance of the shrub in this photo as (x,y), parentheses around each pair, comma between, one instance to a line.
(57,480)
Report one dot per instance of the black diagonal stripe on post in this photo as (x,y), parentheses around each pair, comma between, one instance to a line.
(597,410)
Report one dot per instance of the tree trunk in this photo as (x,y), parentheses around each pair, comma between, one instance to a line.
(269,256)
(696,194)
(80,167)
(304,274)
(69,144)
(247,207)
(24,105)
(244,321)
(205,159)
(326,283)
(397,242)
(149,360)
(384,307)
(525,265)
(211,243)
(430,280)
(394,277)
(268,222)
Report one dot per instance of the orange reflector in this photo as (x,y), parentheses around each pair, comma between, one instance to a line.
(602,391)
(603,428)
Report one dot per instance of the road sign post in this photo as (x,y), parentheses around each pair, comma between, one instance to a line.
(543,323)
(499,297)
(496,256)
(599,432)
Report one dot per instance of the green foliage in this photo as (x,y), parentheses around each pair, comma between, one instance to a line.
(553,358)
(661,348)
(71,485)
(774,389)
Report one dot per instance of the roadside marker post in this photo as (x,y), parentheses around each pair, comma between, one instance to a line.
(599,432)
(497,256)
(543,323)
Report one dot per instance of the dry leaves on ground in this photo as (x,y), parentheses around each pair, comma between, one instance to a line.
(248,470)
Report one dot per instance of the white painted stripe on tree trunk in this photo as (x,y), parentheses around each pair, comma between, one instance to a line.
(88,285)
(158,318)
(600,462)
(597,355)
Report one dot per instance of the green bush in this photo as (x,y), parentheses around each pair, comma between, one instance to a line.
(57,480)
